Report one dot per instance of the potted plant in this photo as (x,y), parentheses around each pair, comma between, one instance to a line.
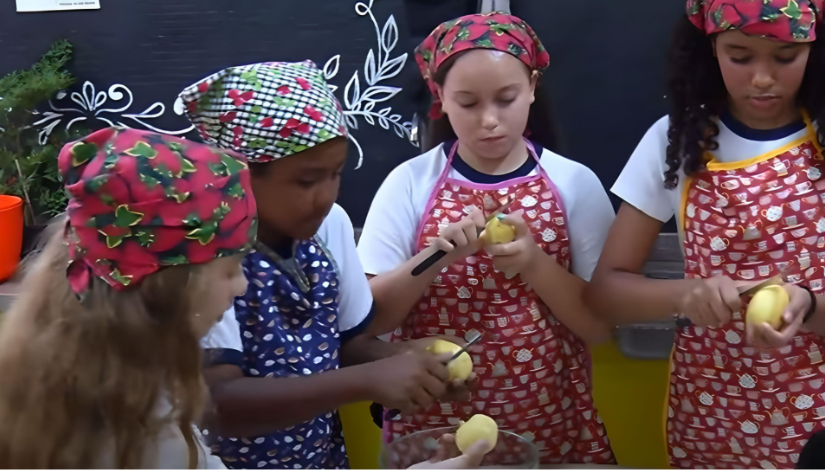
(28,166)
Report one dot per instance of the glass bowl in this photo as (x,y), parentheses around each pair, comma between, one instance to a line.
(511,451)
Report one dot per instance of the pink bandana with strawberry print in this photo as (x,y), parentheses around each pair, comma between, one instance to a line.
(265,111)
(141,201)
(780,20)
(497,31)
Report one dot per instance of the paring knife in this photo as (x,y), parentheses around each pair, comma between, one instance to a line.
(466,347)
(389,415)
(777,280)
(744,291)
(429,262)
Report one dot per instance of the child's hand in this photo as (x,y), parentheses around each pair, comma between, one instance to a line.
(457,390)
(519,256)
(711,302)
(764,336)
(448,455)
(465,235)
(406,382)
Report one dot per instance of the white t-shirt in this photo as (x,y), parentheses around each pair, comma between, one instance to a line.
(389,233)
(641,183)
(168,449)
(355,301)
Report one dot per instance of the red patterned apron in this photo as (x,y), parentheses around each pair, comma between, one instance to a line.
(731,405)
(533,372)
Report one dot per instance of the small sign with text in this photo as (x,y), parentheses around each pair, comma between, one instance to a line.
(56,5)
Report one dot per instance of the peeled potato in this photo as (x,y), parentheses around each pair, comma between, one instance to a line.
(461,367)
(497,232)
(479,427)
(767,306)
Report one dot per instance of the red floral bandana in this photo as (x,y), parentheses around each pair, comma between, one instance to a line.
(780,20)
(140,201)
(497,31)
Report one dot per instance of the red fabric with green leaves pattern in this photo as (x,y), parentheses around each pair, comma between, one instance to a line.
(496,31)
(140,201)
(780,20)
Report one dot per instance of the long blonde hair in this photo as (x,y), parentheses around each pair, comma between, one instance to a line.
(77,379)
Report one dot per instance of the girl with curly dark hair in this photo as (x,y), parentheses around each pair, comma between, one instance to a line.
(739,162)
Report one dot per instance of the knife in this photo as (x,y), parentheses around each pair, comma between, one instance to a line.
(744,291)
(389,415)
(777,280)
(466,347)
(429,262)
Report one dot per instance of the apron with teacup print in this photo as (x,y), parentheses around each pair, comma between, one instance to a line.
(534,374)
(732,405)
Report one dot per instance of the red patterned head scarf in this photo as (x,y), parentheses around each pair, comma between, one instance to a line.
(496,31)
(780,20)
(140,201)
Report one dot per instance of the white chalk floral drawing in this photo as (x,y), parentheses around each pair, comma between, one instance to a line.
(378,67)
(91,107)
(358,102)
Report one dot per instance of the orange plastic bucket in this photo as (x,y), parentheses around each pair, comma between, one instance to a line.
(11,234)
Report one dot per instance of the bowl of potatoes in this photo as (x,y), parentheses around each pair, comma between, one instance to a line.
(505,449)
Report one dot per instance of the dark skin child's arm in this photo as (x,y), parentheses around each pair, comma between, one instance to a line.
(254,406)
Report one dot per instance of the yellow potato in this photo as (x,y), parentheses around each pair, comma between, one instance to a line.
(461,367)
(497,232)
(767,306)
(479,427)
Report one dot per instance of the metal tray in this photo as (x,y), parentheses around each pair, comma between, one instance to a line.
(651,341)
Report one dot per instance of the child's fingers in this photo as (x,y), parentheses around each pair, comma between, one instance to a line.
(754,334)
(459,237)
(434,387)
(447,447)
(438,366)
(444,245)
(791,329)
(477,217)
(504,249)
(750,334)
(441,453)
(471,459)
(458,392)
(504,263)
(516,220)
(421,398)
(470,233)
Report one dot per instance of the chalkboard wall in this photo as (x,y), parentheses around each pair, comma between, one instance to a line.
(606,75)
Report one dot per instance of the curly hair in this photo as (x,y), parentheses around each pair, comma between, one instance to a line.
(699,97)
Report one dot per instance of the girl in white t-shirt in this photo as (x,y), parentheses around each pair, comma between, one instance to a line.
(533,366)
(739,163)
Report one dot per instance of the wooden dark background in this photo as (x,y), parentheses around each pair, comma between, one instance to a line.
(606,76)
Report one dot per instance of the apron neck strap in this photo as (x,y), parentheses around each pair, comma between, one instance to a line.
(806,117)
(531,149)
